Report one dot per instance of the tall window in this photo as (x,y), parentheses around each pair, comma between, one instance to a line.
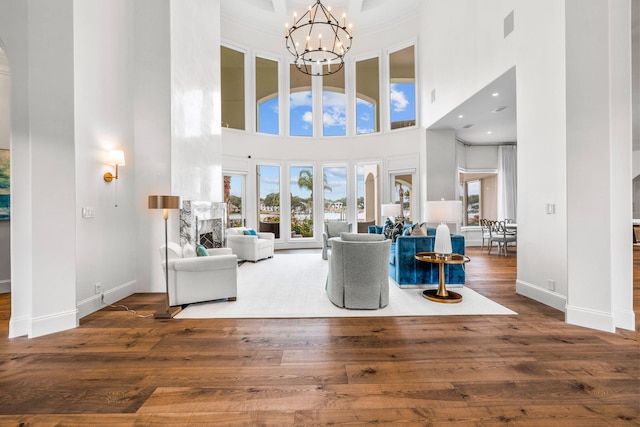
(269,198)
(267,96)
(472,205)
(402,88)
(301,201)
(367,96)
(300,103)
(334,105)
(232,93)
(233,197)
(334,180)
(479,197)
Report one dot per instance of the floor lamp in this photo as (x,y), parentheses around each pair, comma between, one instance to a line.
(165,203)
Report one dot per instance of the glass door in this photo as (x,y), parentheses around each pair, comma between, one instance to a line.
(234,196)
(269,198)
(334,192)
(301,201)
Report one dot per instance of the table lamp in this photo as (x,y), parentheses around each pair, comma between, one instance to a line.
(443,211)
(390,210)
(165,203)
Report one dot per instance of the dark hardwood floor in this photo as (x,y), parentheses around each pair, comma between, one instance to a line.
(530,369)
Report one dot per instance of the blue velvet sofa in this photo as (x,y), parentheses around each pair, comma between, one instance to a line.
(406,271)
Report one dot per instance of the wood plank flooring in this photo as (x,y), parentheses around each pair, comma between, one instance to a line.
(529,369)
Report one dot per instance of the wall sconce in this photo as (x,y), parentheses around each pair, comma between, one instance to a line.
(116,158)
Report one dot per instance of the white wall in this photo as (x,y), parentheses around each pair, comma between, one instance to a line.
(462,49)
(152,129)
(442,165)
(103,67)
(542,238)
(177,118)
(196,159)
(598,163)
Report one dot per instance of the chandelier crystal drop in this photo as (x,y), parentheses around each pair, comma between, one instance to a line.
(317,39)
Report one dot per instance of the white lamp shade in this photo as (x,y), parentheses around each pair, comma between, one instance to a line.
(443,211)
(116,157)
(392,209)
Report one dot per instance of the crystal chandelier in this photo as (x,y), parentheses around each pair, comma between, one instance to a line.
(318,38)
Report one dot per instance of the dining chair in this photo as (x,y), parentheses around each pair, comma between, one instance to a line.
(485,227)
(501,236)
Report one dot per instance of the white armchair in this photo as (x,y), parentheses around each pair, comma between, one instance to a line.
(200,278)
(250,248)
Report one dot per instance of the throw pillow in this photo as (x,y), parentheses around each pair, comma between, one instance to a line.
(188,251)
(250,232)
(201,251)
(419,230)
(388,229)
(398,229)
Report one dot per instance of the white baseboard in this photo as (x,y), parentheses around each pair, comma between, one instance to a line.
(95,303)
(625,320)
(544,296)
(18,327)
(592,319)
(49,324)
(5,286)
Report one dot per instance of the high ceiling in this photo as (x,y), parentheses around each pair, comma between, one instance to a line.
(271,15)
(367,16)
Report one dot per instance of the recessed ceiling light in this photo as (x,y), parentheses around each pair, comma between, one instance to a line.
(460,116)
(495,94)
(489,132)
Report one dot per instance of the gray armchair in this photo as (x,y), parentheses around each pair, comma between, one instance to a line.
(333,229)
(359,271)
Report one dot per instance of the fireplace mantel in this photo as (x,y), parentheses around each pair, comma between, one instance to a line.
(203,222)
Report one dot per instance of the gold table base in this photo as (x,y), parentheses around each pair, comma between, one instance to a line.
(441,294)
(450,297)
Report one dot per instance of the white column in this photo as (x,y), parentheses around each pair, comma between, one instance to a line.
(598,75)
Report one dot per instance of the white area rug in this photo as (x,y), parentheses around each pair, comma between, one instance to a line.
(292,285)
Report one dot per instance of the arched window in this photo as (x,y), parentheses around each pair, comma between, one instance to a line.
(334,105)
(300,103)
(267,111)
(367,96)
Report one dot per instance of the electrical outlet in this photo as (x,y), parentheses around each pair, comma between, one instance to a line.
(98,288)
(88,212)
(551,284)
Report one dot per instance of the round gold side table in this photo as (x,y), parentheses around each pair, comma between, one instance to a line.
(441,294)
